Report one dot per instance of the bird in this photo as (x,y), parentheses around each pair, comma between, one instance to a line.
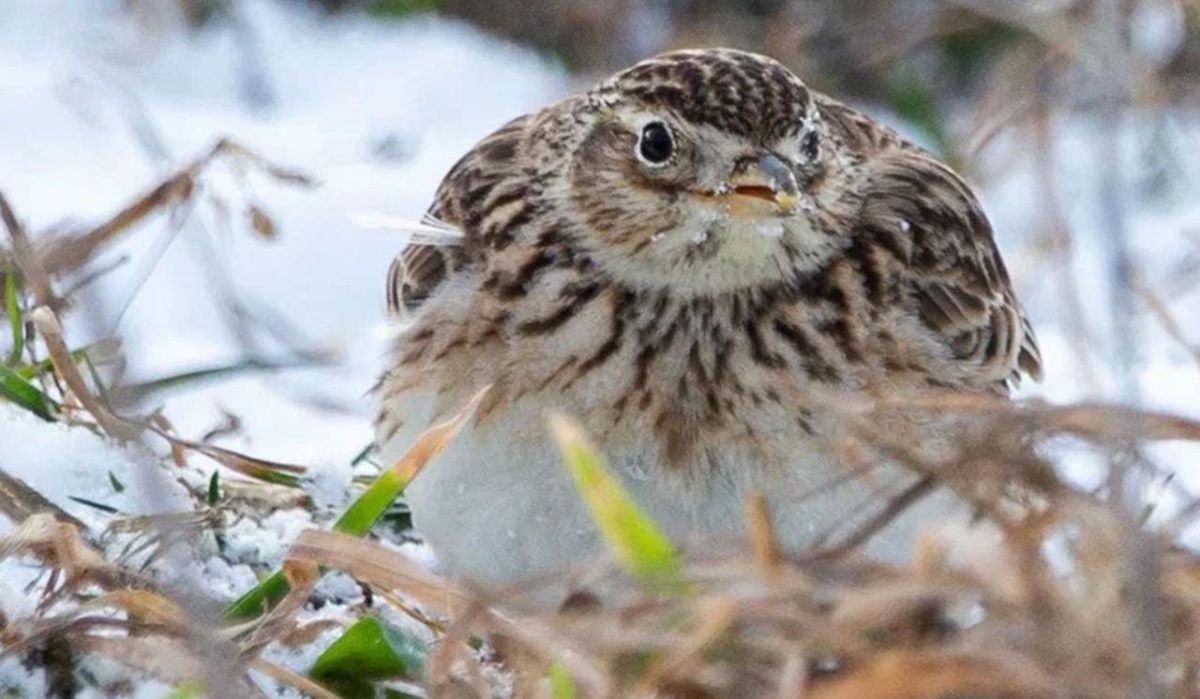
(692,259)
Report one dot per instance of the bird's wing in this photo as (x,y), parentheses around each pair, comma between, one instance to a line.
(454,233)
(431,254)
(925,215)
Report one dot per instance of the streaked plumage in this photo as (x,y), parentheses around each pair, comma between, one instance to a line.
(683,310)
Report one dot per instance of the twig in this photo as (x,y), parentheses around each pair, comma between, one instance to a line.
(18,501)
(50,329)
(69,253)
(283,675)
(66,254)
(47,324)
(871,527)
(762,535)
(23,254)
(1166,319)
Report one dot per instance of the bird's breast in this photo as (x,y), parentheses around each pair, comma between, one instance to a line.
(695,402)
(691,381)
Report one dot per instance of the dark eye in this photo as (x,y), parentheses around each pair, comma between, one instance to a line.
(655,144)
(810,146)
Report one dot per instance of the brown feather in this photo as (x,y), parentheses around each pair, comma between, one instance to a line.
(461,201)
(954,273)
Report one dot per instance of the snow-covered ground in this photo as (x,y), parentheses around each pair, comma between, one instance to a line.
(97,109)
(84,87)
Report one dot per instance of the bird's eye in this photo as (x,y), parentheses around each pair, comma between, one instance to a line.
(655,145)
(810,146)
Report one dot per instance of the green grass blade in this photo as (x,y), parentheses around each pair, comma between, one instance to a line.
(366,509)
(12,306)
(29,371)
(259,598)
(370,506)
(222,372)
(366,652)
(632,536)
(364,455)
(17,390)
(357,520)
(107,509)
(214,489)
(189,689)
(561,684)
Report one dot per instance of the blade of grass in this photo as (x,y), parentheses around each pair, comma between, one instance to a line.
(263,470)
(20,392)
(188,689)
(47,324)
(367,652)
(761,532)
(226,371)
(12,307)
(283,675)
(632,536)
(71,252)
(108,509)
(214,489)
(50,328)
(29,371)
(388,570)
(370,506)
(362,514)
(561,684)
(364,455)
(381,568)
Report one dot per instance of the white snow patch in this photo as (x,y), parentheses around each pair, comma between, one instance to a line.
(60,461)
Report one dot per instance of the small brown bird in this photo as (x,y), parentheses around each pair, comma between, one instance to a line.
(683,258)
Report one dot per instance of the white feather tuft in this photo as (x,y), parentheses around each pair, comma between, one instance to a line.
(428,231)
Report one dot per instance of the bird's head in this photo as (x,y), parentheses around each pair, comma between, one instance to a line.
(706,168)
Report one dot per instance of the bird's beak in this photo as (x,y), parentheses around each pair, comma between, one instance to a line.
(767,178)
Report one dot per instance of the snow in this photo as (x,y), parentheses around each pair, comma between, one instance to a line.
(97,110)
(100,110)
(341,88)
(60,461)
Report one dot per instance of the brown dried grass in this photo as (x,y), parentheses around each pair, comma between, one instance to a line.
(987,612)
(1114,613)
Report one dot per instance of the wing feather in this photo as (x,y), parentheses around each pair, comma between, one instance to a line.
(448,238)
(953,272)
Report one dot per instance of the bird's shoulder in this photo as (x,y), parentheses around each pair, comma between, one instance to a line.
(482,199)
(914,210)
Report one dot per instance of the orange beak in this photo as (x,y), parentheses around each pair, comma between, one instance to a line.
(766,178)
